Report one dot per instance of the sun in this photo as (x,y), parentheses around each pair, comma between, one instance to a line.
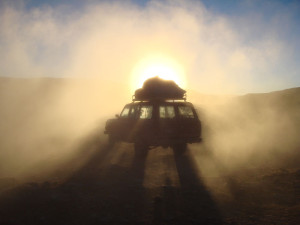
(161,66)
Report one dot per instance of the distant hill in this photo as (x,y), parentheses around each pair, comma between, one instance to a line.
(289,96)
(260,128)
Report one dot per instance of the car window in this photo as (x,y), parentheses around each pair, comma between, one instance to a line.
(166,112)
(146,112)
(134,110)
(185,112)
(125,111)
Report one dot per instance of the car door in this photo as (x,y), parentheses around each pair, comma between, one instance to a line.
(144,127)
(167,122)
(126,122)
(189,125)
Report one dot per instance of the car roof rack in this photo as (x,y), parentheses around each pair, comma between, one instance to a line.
(134,99)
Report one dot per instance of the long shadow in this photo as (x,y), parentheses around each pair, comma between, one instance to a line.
(189,204)
(247,196)
(107,193)
(96,193)
(125,197)
(103,193)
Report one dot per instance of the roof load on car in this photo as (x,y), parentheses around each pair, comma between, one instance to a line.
(157,88)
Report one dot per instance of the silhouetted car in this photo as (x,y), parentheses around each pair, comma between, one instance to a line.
(156,123)
(158,116)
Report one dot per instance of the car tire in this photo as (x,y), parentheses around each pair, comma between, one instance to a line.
(141,149)
(180,148)
(112,139)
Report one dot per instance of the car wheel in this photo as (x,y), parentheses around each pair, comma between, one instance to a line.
(112,139)
(141,149)
(180,148)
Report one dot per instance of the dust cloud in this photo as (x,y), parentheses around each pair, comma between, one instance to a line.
(45,121)
(247,136)
(91,51)
(107,39)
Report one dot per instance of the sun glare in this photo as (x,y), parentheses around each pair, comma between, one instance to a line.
(162,67)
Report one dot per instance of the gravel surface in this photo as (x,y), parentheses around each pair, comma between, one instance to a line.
(116,187)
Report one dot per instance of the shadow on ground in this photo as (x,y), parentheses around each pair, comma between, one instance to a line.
(109,189)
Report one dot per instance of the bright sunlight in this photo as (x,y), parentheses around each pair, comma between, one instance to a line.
(161,66)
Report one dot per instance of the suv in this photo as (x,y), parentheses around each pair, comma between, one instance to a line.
(156,122)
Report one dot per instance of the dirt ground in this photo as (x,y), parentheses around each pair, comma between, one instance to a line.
(116,187)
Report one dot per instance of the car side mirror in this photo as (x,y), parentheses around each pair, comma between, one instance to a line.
(117,116)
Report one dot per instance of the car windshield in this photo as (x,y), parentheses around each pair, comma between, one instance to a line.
(166,112)
(125,111)
(134,111)
(185,112)
(146,112)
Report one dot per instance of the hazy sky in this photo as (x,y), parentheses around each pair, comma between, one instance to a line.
(231,47)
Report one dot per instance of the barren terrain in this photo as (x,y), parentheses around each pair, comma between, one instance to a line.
(115,187)
(57,167)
